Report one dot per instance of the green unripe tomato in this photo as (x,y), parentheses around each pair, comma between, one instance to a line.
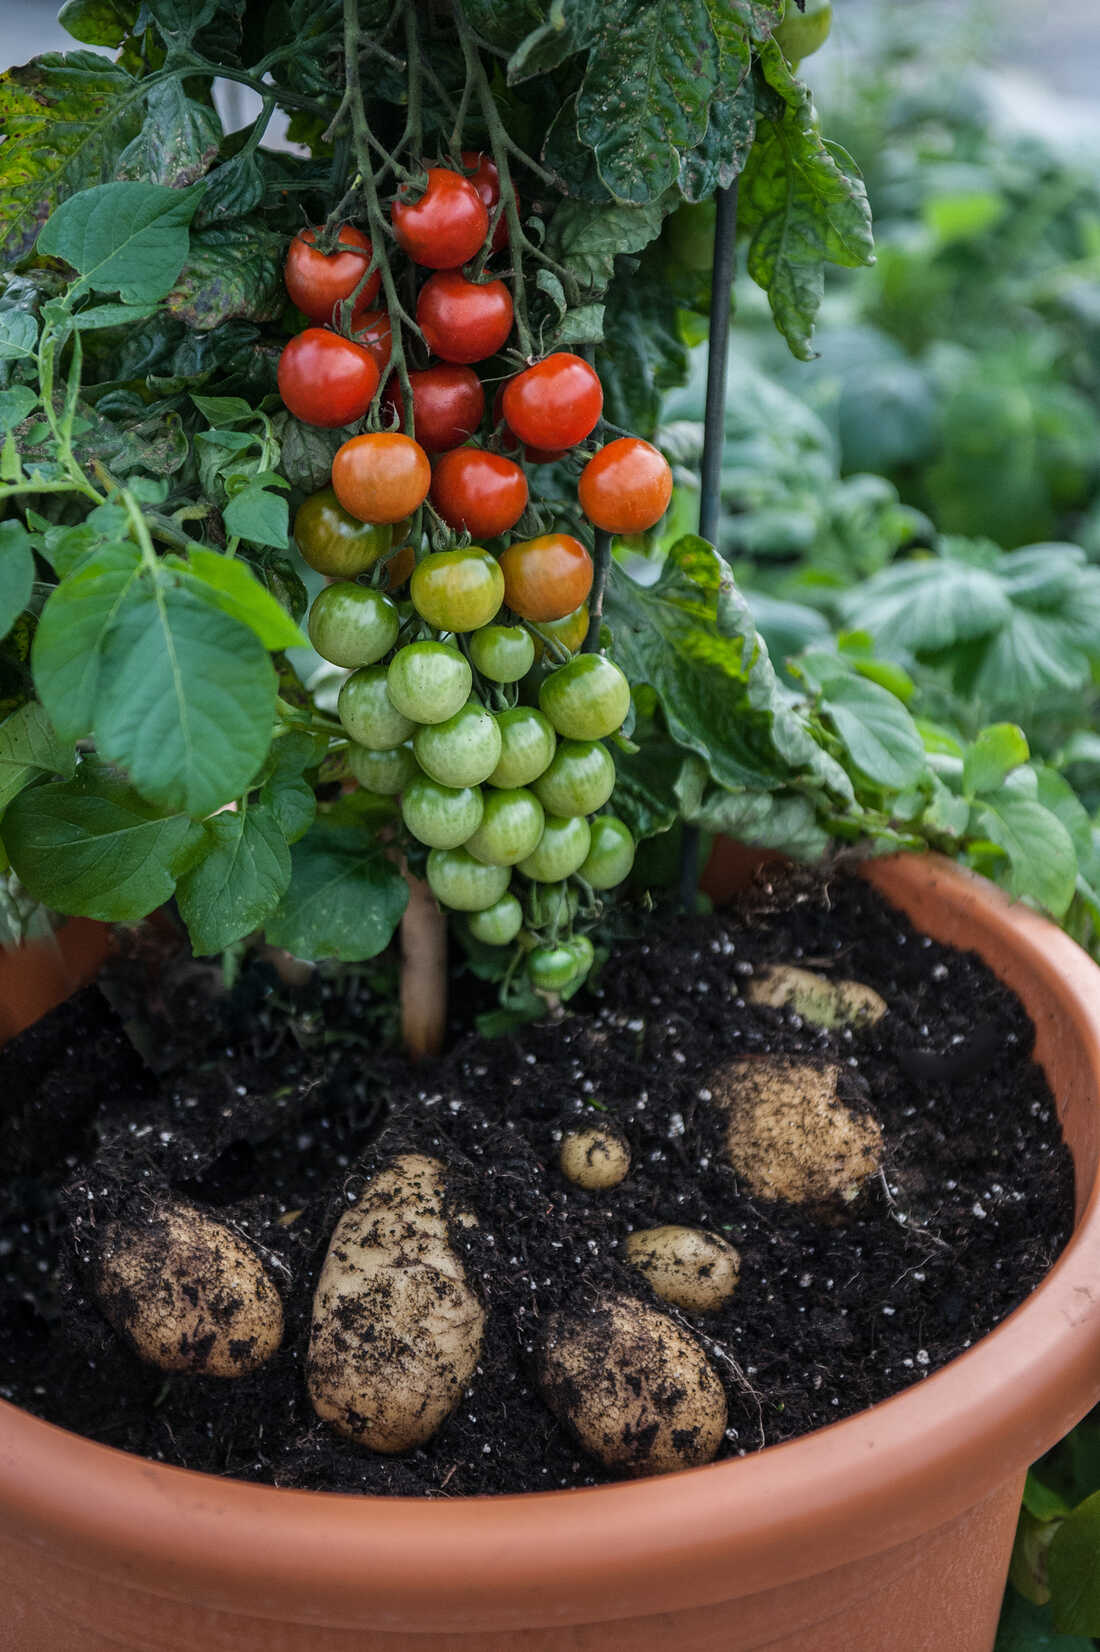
(367,712)
(587,698)
(527,746)
(503,653)
(429,681)
(610,855)
(499,923)
(459,881)
(802,33)
(560,850)
(584,953)
(336,543)
(457,590)
(352,625)
(384,772)
(554,968)
(579,780)
(552,905)
(510,828)
(440,816)
(462,751)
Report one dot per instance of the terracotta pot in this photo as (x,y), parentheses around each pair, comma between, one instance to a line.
(35,978)
(889,1532)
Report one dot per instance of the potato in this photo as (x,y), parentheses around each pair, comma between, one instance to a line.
(594,1157)
(688,1267)
(187,1293)
(789,1135)
(636,1390)
(397,1330)
(816,998)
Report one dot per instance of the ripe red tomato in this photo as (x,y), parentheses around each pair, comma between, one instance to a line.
(463,320)
(626,486)
(533,455)
(485,178)
(483,493)
(546,578)
(326,380)
(446,225)
(448,403)
(373,331)
(381,477)
(318,281)
(555,403)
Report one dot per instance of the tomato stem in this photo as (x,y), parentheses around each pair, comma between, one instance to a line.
(602,562)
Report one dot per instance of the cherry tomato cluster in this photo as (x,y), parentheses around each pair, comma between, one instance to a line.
(440,705)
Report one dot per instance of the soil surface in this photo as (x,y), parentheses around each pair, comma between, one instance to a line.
(271,1107)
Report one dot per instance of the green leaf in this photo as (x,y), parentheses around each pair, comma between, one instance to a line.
(782,820)
(29,749)
(1042,860)
(98,22)
(238,883)
(16,404)
(92,848)
(233,271)
(927,604)
(66,118)
(643,785)
(180,20)
(178,141)
(260,516)
(805,207)
(73,632)
(721,156)
(588,238)
(568,28)
(16,573)
(306,452)
(1031,656)
(111,315)
(232,585)
(643,354)
(345,899)
(18,335)
(995,753)
(224,410)
(129,238)
(652,71)
(1041,1501)
(1073,1567)
(880,736)
(1025,1627)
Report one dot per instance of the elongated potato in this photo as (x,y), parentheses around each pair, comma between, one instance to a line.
(688,1267)
(594,1157)
(817,998)
(397,1330)
(187,1293)
(636,1390)
(790,1136)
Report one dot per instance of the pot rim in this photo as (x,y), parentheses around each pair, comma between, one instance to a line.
(855,1488)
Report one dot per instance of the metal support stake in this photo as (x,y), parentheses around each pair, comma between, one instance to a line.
(714,429)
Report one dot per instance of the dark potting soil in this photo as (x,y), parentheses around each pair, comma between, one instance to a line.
(271,1108)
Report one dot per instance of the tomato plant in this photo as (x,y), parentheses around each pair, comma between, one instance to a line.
(448,403)
(546,578)
(428,681)
(457,590)
(485,177)
(319,282)
(440,816)
(464,321)
(351,625)
(498,924)
(579,781)
(333,541)
(445,225)
(463,749)
(503,653)
(626,486)
(381,477)
(478,492)
(510,827)
(326,380)
(587,698)
(554,404)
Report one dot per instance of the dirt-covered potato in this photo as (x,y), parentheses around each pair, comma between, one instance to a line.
(187,1293)
(688,1267)
(397,1330)
(788,1134)
(816,998)
(636,1390)
(594,1157)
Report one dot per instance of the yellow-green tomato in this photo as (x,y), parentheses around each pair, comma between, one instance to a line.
(352,625)
(560,850)
(510,828)
(502,653)
(459,881)
(579,780)
(610,855)
(462,751)
(440,816)
(429,681)
(569,632)
(457,590)
(368,714)
(554,968)
(587,698)
(803,32)
(383,772)
(497,924)
(527,746)
(336,543)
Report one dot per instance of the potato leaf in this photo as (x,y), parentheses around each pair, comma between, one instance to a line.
(345,900)
(239,881)
(129,238)
(16,573)
(29,749)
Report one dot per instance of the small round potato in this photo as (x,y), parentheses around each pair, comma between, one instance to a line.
(816,998)
(790,1136)
(187,1293)
(689,1267)
(637,1391)
(594,1158)
(397,1330)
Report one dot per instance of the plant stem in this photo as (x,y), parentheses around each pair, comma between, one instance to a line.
(602,560)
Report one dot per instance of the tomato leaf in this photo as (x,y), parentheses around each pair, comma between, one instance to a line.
(16,573)
(588,238)
(233,271)
(178,141)
(239,881)
(98,22)
(345,899)
(260,516)
(129,238)
(232,585)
